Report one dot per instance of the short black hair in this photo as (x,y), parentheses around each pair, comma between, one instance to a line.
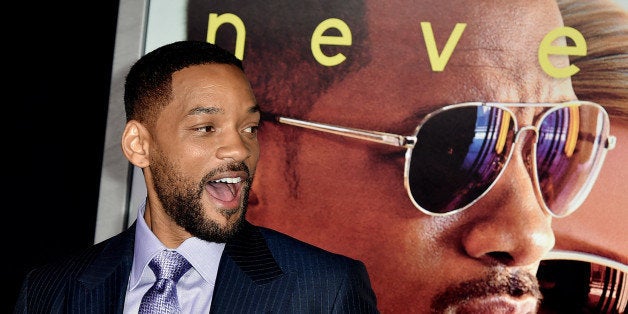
(148,84)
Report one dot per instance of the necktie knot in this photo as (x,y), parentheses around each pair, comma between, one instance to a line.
(169,265)
(161,298)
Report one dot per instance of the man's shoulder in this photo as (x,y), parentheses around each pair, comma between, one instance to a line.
(70,266)
(290,249)
(44,286)
(48,286)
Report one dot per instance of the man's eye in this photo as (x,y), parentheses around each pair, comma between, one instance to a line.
(252,129)
(207,128)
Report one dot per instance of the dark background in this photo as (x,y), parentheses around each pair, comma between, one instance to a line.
(58,58)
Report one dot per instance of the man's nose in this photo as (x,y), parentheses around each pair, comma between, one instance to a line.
(233,146)
(508,225)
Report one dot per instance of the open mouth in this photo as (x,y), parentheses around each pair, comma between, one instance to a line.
(225,189)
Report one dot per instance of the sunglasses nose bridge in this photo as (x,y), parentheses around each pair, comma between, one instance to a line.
(525,141)
(526,137)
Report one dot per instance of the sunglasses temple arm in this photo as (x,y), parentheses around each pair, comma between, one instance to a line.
(373,136)
(611,141)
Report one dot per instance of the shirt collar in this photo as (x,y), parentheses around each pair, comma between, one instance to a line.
(203,255)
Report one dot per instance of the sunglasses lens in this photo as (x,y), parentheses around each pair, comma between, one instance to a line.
(574,286)
(458,155)
(568,154)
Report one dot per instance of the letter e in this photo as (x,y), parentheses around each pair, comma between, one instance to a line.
(319,39)
(546,49)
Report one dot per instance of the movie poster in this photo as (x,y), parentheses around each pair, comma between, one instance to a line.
(354,64)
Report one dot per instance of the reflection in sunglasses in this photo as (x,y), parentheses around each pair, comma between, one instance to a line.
(572,133)
(503,133)
(575,282)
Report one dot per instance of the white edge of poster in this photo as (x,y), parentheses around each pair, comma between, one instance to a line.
(122,187)
(115,174)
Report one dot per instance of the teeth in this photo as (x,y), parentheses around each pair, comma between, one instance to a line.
(229,180)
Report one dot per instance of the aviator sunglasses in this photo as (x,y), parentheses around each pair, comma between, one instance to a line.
(457,153)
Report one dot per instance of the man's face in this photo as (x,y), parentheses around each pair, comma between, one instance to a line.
(204,150)
(349,195)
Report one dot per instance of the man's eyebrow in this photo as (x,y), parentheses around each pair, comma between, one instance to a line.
(205,110)
(215,110)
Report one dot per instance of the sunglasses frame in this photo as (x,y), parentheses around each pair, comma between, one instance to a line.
(409,143)
(557,254)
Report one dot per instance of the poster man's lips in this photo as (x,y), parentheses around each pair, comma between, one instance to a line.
(497,305)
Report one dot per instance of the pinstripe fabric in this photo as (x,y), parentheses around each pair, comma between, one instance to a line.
(312,280)
(93,282)
(261,271)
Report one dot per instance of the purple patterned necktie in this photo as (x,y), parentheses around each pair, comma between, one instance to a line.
(162,298)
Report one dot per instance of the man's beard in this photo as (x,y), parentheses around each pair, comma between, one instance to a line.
(181,200)
(499,281)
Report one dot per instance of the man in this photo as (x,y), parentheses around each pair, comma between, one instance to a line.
(454,248)
(192,123)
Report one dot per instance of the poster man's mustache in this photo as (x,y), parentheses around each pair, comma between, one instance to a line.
(498,281)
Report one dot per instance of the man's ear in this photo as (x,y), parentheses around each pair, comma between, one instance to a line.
(135,143)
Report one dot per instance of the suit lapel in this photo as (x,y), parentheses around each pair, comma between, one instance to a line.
(249,278)
(251,253)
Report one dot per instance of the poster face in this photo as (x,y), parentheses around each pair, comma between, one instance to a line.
(385,67)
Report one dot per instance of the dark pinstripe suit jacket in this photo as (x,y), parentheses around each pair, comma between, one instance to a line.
(261,271)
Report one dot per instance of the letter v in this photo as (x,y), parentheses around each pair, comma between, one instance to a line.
(437,61)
